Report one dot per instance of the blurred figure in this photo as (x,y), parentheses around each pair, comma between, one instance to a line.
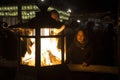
(8,44)
(80,52)
(55,16)
(110,38)
(60,31)
(90,32)
(102,42)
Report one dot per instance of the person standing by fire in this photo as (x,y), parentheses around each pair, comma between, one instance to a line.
(80,52)
(55,15)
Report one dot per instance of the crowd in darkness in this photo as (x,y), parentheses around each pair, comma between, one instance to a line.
(99,48)
(103,38)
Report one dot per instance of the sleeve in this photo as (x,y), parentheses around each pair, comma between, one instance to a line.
(68,54)
(88,55)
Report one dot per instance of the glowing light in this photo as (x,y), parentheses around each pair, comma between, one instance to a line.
(78,21)
(50,54)
(69,11)
(42,0)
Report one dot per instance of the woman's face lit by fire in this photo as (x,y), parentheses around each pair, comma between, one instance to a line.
(80,36)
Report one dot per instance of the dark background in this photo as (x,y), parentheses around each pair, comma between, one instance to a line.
(77,6)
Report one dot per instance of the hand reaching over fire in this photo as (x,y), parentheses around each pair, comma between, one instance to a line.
(57,31)
(55,15)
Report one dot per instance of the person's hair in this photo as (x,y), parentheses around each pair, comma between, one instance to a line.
(80,29)
(54,11)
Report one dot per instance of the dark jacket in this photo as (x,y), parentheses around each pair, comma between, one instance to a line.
(79,53)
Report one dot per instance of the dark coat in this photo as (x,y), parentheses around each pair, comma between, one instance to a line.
(79,53)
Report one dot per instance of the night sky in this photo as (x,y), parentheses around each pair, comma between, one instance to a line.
(77,6)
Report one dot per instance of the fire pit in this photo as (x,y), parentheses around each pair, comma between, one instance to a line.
(42,48)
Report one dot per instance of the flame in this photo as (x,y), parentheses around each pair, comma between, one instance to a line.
(50,54)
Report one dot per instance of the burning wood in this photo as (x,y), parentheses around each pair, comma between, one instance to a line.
(50,54)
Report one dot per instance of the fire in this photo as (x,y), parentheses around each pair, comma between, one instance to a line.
(50,54)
